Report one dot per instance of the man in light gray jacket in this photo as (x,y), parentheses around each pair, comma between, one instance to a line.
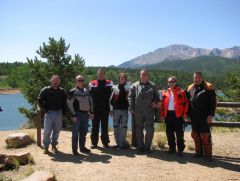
(80,105)
(144,98)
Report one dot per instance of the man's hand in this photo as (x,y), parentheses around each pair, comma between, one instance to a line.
(156,105)
(186,120)
(161,119)
(111,113)
(74,119)
(209,119)
(91,116)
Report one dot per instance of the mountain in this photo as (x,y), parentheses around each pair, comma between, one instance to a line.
(179,52)
(210,65)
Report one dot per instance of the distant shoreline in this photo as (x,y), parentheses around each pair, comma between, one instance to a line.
(9,91)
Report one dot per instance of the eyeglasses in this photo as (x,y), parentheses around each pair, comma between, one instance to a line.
(171,81)
(80,80)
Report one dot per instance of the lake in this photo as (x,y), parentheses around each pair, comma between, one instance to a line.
(11,119)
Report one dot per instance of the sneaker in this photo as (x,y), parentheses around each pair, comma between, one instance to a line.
(75,153)
(85,150)
(45,151)
(54,149)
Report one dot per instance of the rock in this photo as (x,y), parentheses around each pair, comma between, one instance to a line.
(16,140)
(21,158)
(41,176)
(2,158)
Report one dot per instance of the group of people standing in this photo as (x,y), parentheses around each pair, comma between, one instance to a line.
(196,105)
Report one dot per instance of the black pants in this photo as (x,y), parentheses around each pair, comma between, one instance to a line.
(174,125)
(100,117)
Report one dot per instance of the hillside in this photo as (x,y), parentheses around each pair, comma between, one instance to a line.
(210,65)
(179,52)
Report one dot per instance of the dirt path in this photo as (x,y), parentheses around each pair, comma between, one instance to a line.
(109,164)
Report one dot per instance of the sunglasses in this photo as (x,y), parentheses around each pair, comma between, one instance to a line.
(80,80)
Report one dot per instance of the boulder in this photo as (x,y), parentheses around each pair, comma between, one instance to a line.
(16,140)
(21,158)
(41,176)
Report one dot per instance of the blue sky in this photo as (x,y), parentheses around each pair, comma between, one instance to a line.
(109,32)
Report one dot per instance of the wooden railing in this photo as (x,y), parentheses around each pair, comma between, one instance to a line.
(214,123)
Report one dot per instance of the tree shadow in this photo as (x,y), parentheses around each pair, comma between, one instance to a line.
(227,163)
(90,157)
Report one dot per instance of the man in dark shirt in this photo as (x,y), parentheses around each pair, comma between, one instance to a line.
(52,100)
(100,91)
(202,99)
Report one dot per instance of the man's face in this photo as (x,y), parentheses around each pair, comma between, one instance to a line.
(197,79)
(101,75)
(80,82)
(55,82)
(143,76)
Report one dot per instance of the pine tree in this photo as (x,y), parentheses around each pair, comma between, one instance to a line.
(54,60)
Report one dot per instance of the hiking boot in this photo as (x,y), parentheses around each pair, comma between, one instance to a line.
(54,149)
(85,150)
(45,151)
(208,158)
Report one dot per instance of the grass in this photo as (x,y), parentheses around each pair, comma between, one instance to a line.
(28,171)
(225,130)
(4,178)
(191,146)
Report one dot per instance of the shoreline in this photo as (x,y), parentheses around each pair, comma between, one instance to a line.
(9,91)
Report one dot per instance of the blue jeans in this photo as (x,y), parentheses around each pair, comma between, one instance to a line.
(120,120)
(79,130)
(52,126)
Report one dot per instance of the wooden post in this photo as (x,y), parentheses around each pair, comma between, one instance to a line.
(38,124)
(134,143)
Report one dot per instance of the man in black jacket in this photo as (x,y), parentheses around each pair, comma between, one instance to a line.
(202,98)
(52,100)
(100,91)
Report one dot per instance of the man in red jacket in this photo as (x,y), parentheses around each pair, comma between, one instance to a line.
(174,110)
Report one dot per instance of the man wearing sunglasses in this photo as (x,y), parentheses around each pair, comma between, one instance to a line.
(80,105)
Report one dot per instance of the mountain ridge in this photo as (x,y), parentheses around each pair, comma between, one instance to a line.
(179,52)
